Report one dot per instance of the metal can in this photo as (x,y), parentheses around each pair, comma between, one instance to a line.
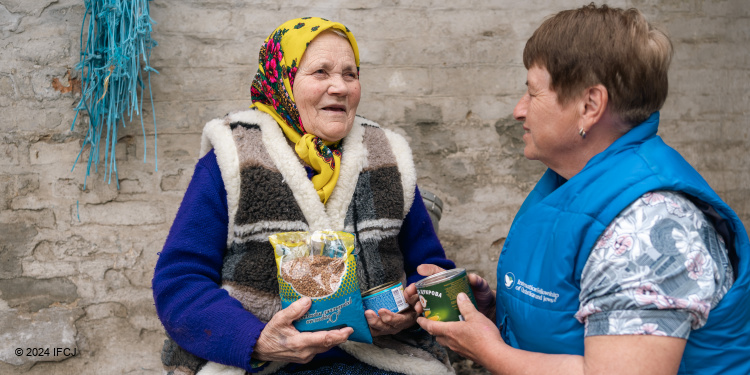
(438,293)
(389,296)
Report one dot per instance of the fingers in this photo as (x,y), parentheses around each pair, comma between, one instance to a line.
(437,328)
(440,330)
(411,289)
(432,327)
(319,341)
(377,326)
(418,308)
(428,269)
(281,341)
(325,340)
(399,321)
(484,295)
(479,285)
(410,295)
(296,310)
(304,346)
(387,322)
(372,318)
(465,306)
(477,282)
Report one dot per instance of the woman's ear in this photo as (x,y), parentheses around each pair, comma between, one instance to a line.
(595,100)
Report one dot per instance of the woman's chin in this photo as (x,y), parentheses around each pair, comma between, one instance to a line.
(529,154)
(335,130)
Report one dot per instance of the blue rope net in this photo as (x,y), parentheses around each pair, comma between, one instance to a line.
(115,72)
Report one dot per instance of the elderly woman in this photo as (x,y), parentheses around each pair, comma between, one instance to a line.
(622,260)
(299,160)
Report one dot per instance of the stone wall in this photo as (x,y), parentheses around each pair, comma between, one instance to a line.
(76,264)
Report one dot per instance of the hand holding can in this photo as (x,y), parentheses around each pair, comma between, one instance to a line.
(387,296)
(438,292)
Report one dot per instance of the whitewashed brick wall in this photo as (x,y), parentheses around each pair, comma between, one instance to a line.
(76,265)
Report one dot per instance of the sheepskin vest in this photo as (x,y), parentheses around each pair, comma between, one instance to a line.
(268,191)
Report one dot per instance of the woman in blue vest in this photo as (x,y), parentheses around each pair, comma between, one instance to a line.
(622,260)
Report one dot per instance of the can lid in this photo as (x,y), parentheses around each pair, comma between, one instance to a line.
(440,277)
(380,288)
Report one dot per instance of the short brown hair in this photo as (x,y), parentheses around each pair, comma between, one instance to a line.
(610,46)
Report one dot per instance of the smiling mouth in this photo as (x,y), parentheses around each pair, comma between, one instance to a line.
(335,108)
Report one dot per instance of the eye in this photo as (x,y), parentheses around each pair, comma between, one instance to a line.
(319,73)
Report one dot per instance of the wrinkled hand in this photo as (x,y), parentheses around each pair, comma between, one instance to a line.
(386,322)
(484,295)
(280,341)
(424,270)
(475,338)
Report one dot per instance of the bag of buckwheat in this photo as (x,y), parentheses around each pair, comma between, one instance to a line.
(320,265)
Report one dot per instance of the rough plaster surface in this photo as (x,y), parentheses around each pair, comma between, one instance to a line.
(76,265)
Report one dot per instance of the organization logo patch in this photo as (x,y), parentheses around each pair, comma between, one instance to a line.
(510,279)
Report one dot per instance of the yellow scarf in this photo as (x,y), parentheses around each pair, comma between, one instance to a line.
(271,93)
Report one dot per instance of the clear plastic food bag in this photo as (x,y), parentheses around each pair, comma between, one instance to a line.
(320,265)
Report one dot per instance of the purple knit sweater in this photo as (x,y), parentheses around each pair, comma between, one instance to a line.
(200,316)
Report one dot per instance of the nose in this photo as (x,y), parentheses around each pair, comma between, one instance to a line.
(337,85)
(519,112)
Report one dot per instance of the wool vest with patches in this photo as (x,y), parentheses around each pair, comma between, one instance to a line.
(268,191)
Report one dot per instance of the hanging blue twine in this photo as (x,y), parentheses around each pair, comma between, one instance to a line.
(114,62)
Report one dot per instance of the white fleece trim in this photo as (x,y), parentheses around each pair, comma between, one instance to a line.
(405,163)
(218,135)
(213,368)
(391,360)
(352,163)
(295,175)
(333,214)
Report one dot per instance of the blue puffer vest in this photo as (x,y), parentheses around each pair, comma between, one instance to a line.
(539,271)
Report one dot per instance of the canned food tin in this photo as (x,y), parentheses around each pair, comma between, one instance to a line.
(389,296)
(438,293)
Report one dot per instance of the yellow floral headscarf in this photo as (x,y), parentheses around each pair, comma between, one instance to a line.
(271,92)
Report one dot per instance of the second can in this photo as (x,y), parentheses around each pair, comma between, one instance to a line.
(438,293)
(389,296)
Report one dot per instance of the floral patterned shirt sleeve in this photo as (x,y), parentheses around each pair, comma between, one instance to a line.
(658,269)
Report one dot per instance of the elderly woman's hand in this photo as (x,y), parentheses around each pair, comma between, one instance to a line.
(424,270)
(483,294)
(280,341)
(386,322)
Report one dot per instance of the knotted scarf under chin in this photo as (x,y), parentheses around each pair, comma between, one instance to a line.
(271,93)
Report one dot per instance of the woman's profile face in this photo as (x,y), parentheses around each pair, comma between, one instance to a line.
(550,129)
(326,87)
